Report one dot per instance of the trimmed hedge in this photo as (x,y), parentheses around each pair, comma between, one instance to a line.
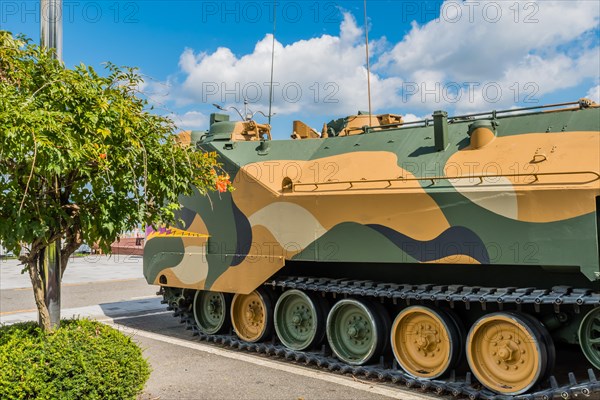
(82,360)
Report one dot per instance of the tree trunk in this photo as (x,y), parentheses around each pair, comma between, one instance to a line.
(38,295)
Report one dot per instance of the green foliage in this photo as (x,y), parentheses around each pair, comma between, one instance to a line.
(81,360)
(82,157)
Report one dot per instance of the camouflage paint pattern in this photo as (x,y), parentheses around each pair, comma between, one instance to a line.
(524,193)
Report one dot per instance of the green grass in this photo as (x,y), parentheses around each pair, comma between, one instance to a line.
(82,360)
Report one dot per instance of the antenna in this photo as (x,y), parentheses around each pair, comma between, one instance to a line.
(368,64)
(272,59)
(248,113)
(230,108)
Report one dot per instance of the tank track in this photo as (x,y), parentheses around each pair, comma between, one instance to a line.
(460,387)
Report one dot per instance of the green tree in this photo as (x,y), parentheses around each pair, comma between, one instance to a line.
(83,158)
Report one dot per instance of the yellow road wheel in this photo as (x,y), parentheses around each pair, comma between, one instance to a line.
(508,352)
(426,342)
(252,315)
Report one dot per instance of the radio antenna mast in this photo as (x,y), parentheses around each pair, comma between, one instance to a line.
(272,60)
(368,64)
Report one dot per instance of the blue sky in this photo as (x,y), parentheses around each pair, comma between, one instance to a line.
(426,55)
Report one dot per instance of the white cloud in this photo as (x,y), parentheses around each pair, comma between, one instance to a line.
(411,118)
(477,55)
(519,47)
(322,74)
(190,120)
(477,44)
(594,94)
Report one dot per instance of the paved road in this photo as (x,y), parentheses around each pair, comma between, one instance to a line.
(114,291)
(88,281)
(188,369)
(91,268)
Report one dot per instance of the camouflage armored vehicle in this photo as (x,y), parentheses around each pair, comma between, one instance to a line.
(455,254)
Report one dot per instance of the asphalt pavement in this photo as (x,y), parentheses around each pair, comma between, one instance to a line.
(112,290)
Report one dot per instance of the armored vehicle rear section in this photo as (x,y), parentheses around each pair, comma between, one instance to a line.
(455,254)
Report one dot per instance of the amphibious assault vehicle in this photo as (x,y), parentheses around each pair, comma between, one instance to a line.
(455,254)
